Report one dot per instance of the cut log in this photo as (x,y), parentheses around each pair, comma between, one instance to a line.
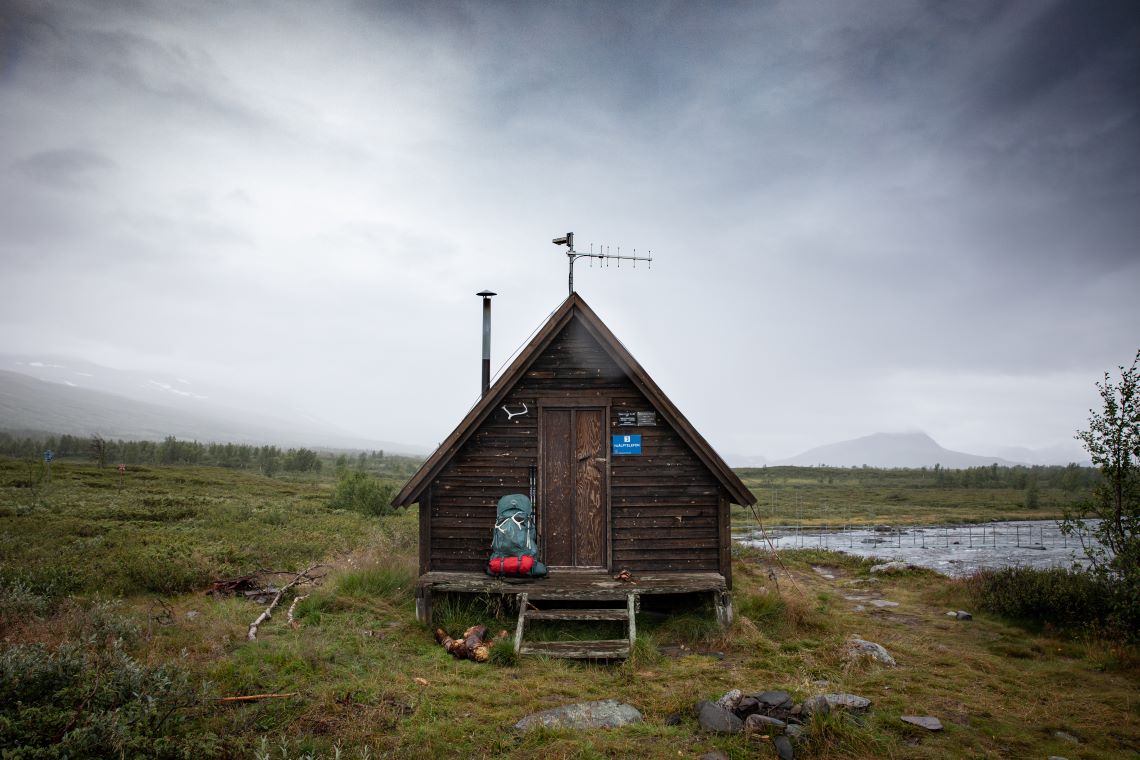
(475,644)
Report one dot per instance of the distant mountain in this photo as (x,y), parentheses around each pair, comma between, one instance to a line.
(1046,455)
(743,460)
(891,450)
(34,405)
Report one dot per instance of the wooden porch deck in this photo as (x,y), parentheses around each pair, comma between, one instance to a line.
(575,586)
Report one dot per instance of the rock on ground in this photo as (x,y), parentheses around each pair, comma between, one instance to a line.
(783,747)
(857,648)
(714,718)
(774,698)
(923,721)
(606,713)
(817,705)
(763,723)
(847,701)
(731,699)
(1066,736)
(715,754)
(891,567)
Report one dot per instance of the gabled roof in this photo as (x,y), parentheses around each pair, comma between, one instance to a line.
(574,307)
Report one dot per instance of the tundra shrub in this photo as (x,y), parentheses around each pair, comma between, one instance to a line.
(1054,596)
(76,702)
(360,492)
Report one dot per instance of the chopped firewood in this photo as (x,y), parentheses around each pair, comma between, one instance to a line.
(475,644)
(454,647)
(474,639)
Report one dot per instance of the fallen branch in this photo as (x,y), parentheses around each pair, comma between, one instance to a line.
(268,613)
(289,615)
(255,697)
(263,571)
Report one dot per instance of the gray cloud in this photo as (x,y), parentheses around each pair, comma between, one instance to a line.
(70,168)
(863,216)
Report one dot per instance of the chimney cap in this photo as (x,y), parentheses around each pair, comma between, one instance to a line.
(486,294)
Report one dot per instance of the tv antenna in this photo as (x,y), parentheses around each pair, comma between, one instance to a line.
(603,255)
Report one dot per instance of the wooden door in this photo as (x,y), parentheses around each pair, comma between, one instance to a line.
(572,506)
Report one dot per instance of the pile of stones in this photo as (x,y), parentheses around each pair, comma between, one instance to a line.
(772,713)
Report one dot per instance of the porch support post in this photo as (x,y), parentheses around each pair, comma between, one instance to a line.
(722,601)
(423,604)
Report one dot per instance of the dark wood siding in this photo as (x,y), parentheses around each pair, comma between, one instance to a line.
(665,506)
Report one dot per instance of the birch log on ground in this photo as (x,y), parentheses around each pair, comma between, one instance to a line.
(268,613)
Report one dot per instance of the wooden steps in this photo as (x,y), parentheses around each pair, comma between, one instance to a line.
(603,649)
(597,649)
(566,614)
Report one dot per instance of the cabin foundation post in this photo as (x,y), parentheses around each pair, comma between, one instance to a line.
(722,602)
(423,604)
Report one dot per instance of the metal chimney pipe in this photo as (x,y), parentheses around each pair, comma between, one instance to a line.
(486,383)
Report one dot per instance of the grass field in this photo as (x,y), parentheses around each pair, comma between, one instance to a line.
(856,496)
(111,647)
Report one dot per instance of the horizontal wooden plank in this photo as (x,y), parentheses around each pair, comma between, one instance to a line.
(667,522)
(667,534)
(466,553)
(641,566)
(463,546)
(591,614)
(453,565)
(491,486)
(496,457)
(659,488)
(512,470)
(567,585)
(600,649)
(623,545)
(484,507)
(663,554)
(641,500)
(481,537)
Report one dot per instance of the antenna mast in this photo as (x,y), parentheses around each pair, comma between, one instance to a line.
(602,255)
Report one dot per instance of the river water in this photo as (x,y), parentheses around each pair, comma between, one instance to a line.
(950,549)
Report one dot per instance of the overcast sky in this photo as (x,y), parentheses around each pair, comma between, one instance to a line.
(886,216)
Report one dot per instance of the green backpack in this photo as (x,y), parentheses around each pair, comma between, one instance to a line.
(514,543)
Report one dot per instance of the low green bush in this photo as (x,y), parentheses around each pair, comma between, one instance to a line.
(162,569)
(90,698)
(360,492)
(1054,596)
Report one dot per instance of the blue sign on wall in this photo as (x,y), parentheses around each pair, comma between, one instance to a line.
(627,444)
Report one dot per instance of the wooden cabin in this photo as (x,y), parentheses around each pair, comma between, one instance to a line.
(624,482)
